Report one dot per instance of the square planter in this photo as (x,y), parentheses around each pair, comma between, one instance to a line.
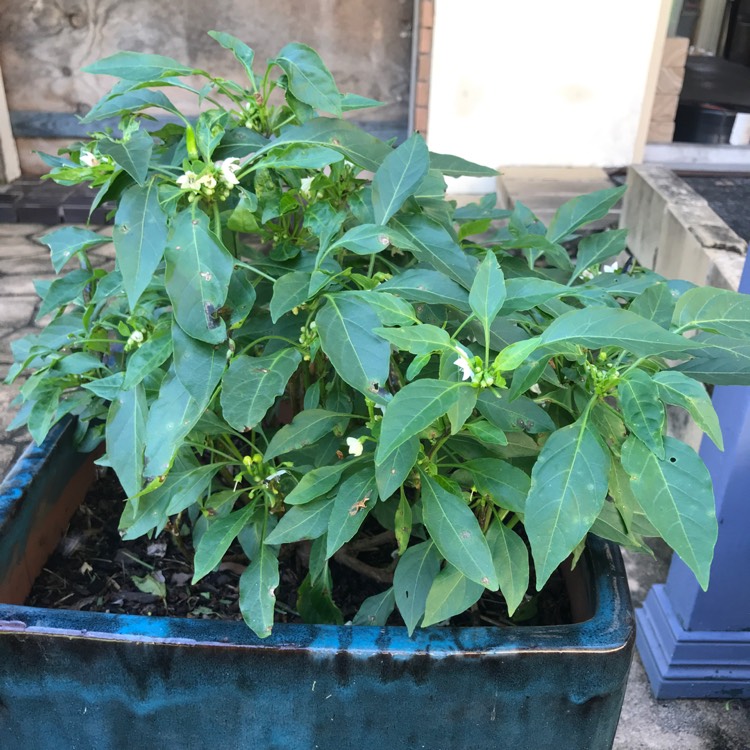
(90,680)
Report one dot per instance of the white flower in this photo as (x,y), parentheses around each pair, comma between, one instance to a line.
(355,447)
(610,269)
(207,180)
(227,169)
(189,181)
(587,275)
(275,475)
(536,389)
(304,187)
(88,159)
(463,364)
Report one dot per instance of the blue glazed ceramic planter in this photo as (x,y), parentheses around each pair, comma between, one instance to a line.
(93,681)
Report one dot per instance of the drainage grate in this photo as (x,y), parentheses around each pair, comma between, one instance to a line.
(33,201)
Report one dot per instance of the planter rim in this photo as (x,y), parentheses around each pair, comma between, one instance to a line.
(610,629)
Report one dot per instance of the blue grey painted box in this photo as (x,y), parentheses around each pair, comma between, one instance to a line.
(94,681)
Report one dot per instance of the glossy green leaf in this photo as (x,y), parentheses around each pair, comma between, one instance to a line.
(289,291)
(424,285)
(455,166)
(197,279)
(308,79)
(315,603)
(599,327)
(450,594)
(316,483)
(656,303)
(398,177)
(516,354)
(150,355)
(351,102)
(186,488)
(526,292)
(394,470)
(354,500)
(676,495)
(680,390)
(133,154)
(390,309)
(487,432)
(511,559)
(63,291)
(239,49)
(137,66)
(413,409)
(364,239)
(511,416)
(346,333)
(642,410)
(716,310)
(412,580)
(582,210)
(299,156)
(306,427)
(64,243)
(258,592)
(252,384)
(307,521)
(598,247)
(198,365)
(217,538)
(568,485)
(422,338)
(375,610)
(127,103)
(125,433)
(487,292)
(456,533)
(506,485)
(719,360)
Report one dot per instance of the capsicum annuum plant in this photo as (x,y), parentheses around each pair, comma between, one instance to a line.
(302,333)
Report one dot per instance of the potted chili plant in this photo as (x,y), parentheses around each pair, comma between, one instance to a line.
(305,345)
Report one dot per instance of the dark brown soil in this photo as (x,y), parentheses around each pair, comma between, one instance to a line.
(94,569)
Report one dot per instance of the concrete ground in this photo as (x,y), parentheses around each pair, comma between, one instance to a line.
(646,724)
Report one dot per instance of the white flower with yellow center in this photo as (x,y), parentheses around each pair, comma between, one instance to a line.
(463,364)
(355,447)
(189,181)
(610,269)
(227,169)
(88,159)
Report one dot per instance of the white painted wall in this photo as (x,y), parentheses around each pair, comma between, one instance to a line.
(542,82)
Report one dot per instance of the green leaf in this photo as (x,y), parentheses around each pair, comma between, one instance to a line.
(140,235)
(66,242)
(308,79)
(375,610)
(289,291)
(170,419)
(511,416)
(568,486)
(197,279)
(413,409)
(716,310)
(252,384)
(299,156)
(403,523)
(351,102)
(656,303)
(315,603)
(516,354)
(582,210)
(456,533)
(150,355)
(596,327)
(488,291)
(149,584)
(598,247)
(127,103)
(394,470)
(240,298)
(360,357)
(316,483)
(133,155)
(137,66)
(412,580)
(398,177)
(430,242)
(364,239)
(506,485)
(719,360)
(424,285)
(63,290)
(258,592)
(186,488)
(680,390)
(355,499)
(217,538)
(422,338)
(511,559)
(239,49)
(307,521)
(641,409)
(125,433)
(198,365)
(106,388)
(486,432)
(455,166)
(307,427)
(527,292)
(676,495)
(450,594)
(390,309)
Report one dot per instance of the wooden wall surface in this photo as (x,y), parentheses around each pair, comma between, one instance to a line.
(44,43)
